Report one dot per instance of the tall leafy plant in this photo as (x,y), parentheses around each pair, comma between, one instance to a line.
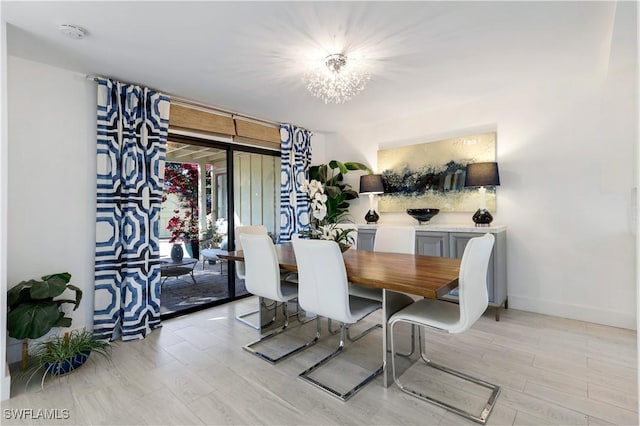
(338,192)
(34,307)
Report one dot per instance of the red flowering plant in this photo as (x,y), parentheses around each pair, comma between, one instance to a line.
(182,179)
(185,227)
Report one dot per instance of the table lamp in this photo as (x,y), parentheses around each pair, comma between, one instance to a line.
(481,175)
(371,185)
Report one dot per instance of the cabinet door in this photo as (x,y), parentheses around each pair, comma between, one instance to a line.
(432,244)
(366,238)
(457,242)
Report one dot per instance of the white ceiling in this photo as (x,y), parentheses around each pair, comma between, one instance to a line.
(248,57)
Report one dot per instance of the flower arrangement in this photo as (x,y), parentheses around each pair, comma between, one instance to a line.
(322,226)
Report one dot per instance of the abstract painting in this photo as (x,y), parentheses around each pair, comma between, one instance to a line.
(431,175)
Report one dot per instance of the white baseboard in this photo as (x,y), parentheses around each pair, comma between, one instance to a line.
(5,386)
(577,312)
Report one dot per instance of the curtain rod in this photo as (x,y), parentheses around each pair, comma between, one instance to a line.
(189,102)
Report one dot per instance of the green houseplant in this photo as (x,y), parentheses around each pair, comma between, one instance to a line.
(338,192)
(34,307)
(63,354)
(328,194)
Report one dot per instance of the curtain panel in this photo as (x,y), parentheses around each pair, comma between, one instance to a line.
(131,147)
(295,150)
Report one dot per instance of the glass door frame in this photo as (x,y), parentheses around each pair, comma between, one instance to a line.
(231,210)
(230,149)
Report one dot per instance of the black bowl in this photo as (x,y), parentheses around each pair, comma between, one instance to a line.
(422,215)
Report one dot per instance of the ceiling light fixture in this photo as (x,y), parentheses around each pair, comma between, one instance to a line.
(73,31)
(337,80)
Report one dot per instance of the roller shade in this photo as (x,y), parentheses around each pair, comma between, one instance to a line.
(242,130)
(194,119)
(257,134)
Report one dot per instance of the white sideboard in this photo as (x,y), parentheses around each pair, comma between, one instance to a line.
(450,241)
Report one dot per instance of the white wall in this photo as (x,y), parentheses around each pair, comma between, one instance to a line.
(566,157)
(51,185)
(318,148)
(5,378)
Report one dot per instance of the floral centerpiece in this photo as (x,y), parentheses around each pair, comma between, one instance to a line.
(324,225)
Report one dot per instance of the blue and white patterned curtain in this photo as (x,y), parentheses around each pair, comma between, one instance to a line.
(132,137)
(295,149)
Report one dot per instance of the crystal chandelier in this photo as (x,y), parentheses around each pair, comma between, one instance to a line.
(337,81)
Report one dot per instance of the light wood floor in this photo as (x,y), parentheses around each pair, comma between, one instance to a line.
(193,371)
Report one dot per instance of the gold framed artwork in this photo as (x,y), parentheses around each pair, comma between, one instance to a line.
(431,174)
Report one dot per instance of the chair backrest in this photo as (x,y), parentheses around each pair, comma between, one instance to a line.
(395,239)
(322,279)
(252,229)
(472,281)
(261,264)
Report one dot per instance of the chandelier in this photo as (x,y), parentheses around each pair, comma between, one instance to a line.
(337,81)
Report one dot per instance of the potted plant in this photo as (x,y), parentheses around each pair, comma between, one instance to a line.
(338,192)
(181,179)
(34,307)
(329,194)
(185,228)
(63,354)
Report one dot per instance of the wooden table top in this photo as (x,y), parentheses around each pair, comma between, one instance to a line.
(426,276)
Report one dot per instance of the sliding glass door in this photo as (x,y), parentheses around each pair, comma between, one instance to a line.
(256,190)
(210,188)
(194,217)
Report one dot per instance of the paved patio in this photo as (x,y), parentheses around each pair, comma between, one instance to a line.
(180,293)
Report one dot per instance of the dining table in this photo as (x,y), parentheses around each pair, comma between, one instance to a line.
(417,275)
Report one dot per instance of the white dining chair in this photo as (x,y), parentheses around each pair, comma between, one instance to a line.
(452,318)
(323,289)
(240,266)
(390,239)
(395,239)
(262,278)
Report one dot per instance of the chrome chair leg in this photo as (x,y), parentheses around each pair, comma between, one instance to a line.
(332,332)
(249,347)
(363,333)
(413,344)
(348,328)
(486,411)
(305,375)
(242,319)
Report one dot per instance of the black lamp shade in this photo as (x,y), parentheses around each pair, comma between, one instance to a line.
(481,174)
(371,184)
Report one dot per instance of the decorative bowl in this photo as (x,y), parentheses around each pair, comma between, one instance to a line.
(422,215)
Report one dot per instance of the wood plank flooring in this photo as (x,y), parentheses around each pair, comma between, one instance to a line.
(193,371)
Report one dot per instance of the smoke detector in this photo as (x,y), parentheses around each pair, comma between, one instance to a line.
(73,31)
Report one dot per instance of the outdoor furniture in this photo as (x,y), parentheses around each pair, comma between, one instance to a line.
(173,268)
(211,254)
(209,251)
